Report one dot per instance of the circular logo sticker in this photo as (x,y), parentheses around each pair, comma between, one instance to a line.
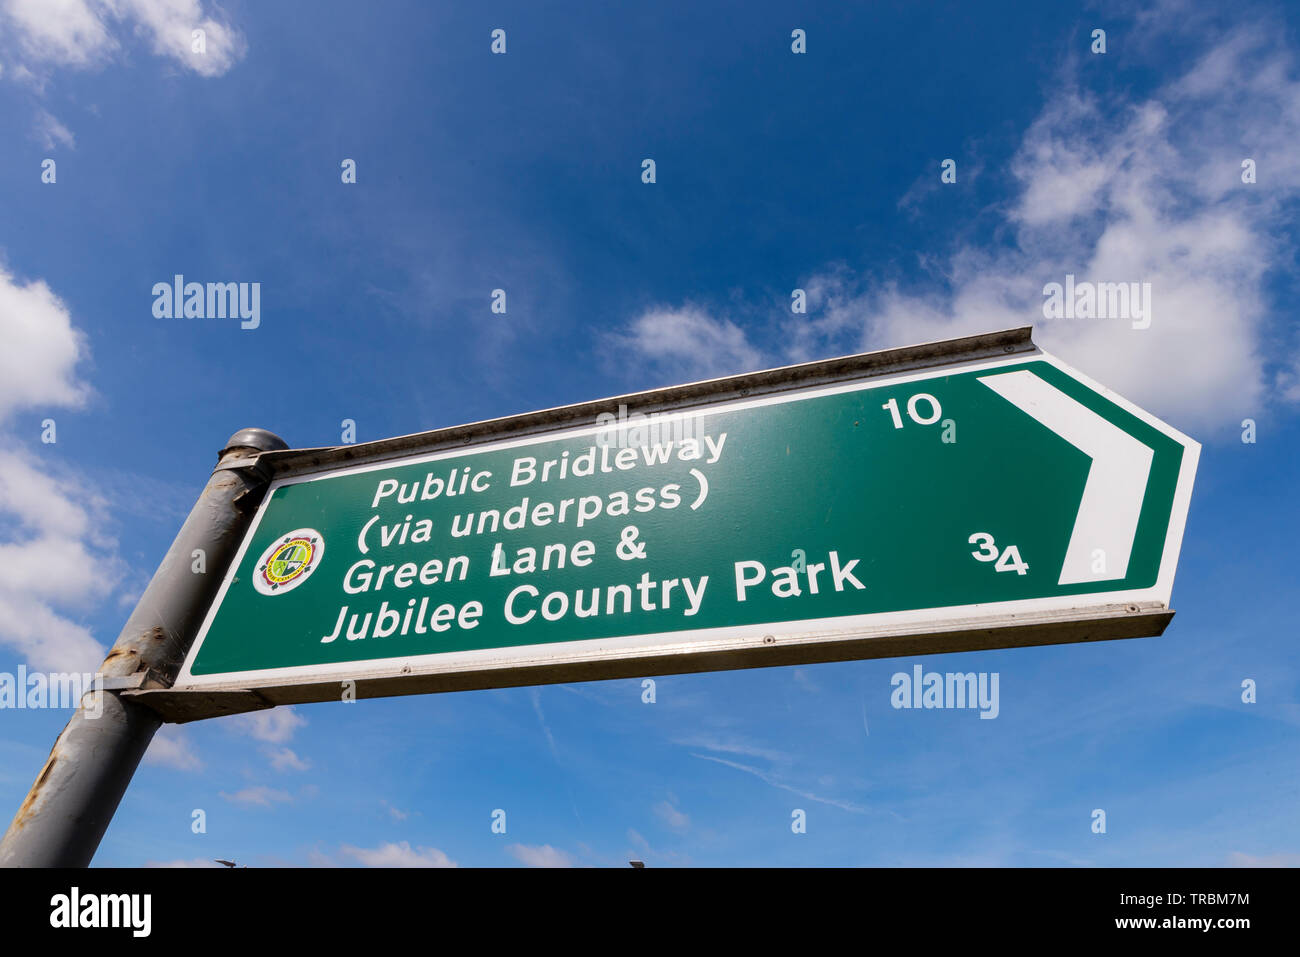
(289,561)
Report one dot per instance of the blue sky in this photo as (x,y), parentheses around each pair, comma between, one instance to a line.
(774,171)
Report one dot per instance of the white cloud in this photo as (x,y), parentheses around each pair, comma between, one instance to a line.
(805,681)
(536,696)
(769,778)
(1149,191)
(83,34)
(783,766)
(63,32)
(647,854)
(51,132)
(172,748)
(44,638)
(258,796)
(275,725)
(285,759)
(1288,381)
(400,854)
(639,842)
(55,554)
(542,855)
(41,348)
(170,25)
(24,75)
(54,564)
(687,343)
(735,746)
(672,817)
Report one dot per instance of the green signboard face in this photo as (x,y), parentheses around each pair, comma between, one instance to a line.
(965,494)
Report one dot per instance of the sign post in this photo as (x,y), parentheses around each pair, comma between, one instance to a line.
(968,494)
(63,817)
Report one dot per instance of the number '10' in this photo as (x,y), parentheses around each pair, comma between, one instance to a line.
(933,417)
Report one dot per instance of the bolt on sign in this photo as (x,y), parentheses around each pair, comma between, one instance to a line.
(970,494)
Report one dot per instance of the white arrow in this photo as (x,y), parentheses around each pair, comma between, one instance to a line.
(1117,479)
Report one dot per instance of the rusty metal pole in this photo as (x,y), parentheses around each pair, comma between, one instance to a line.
(64,816)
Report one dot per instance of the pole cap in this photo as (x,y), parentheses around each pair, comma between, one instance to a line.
(258,439)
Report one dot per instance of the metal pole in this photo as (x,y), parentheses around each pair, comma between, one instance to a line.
(65,814)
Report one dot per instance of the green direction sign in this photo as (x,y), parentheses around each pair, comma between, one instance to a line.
(981,503)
